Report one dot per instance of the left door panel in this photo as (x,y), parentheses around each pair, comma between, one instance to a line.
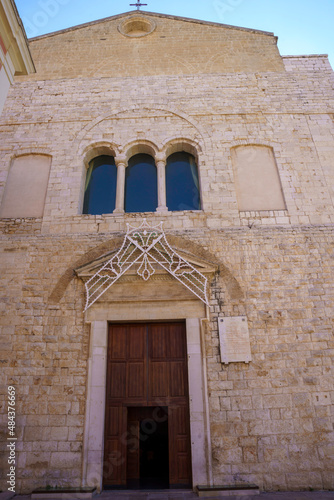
(114,464)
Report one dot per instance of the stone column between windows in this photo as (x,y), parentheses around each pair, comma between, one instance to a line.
(121,164)
(161,170)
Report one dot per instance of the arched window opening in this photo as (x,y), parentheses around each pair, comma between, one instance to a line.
(182,186)
(100,188)
(141,193)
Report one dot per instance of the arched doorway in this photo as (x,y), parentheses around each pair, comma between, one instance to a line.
(157,285)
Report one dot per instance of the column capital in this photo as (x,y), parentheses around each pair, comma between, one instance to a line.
(160,158)
(121,160)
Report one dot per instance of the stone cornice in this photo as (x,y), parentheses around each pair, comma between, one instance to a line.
(14,32)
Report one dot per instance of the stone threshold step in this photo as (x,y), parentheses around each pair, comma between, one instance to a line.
(63,493)
(227,490)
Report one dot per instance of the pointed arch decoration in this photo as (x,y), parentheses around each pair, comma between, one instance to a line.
(146,246)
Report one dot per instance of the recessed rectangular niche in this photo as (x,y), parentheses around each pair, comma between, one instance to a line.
(257,182)
(234,339)
(26,186)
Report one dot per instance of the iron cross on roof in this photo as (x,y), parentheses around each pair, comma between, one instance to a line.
(138,4)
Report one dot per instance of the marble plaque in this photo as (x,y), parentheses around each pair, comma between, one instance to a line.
(234,339)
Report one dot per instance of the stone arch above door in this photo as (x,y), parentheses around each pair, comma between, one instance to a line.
(86,265)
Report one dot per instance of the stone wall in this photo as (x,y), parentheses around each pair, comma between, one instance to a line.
(291,114)
(176,46)
(316,62)
(270,420)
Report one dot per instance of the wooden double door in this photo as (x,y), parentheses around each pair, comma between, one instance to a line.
(147,425)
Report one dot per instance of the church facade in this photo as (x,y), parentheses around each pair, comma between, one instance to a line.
(167,214)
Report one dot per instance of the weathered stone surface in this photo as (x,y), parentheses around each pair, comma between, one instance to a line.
(271,421)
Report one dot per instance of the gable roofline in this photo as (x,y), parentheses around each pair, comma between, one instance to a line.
(154,14)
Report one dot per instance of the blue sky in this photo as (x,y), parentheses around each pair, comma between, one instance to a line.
(302,26)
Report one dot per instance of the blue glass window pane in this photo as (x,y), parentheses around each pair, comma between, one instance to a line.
(182,188)
(100,192)
(141,191)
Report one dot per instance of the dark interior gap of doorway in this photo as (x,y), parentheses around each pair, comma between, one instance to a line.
(152,448)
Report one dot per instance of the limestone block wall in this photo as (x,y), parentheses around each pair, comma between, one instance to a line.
(291,114)
(316,62)
(271,420)
(265,415)
(172,46)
